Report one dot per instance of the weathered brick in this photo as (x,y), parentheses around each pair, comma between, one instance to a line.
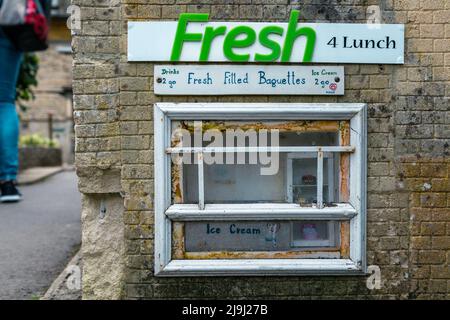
(135,142)
(95,28)
(135,84)
(149,11)
(433,170)
(431,257)
(107,129)
(408,117)
(251,12)
(421,242)
(432,4)
(407,4)
(389,243)
(433,228)
(173,11)
(441,243)
(441,45)
(141,171)
(221,12)
(419,45)
(442,16)
(432,31)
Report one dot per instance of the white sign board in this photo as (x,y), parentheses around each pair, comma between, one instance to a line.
(248,80)
(265,42)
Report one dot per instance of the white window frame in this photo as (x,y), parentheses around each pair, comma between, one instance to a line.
(353,211)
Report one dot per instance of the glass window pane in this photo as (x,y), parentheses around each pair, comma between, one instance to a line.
(288,133)
(234,184)
(235,236)
(307,139)
(314,234)
(304,180)
(243,183)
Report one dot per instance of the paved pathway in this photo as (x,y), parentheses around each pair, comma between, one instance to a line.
(38,236)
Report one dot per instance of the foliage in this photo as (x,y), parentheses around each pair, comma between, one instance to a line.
(27,79)
(36,140)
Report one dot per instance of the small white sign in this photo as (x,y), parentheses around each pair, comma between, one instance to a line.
(248,80)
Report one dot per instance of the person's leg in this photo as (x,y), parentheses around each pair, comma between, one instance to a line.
(9,133)
(10,60)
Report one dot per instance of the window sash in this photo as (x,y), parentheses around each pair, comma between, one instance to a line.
(319,150)
(316,149)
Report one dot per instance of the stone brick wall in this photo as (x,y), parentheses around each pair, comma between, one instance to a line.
(408,227)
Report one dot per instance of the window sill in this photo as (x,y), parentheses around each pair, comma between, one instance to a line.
(261,267)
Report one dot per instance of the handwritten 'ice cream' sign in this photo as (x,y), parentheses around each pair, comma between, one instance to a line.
(248,80)
(238,235)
